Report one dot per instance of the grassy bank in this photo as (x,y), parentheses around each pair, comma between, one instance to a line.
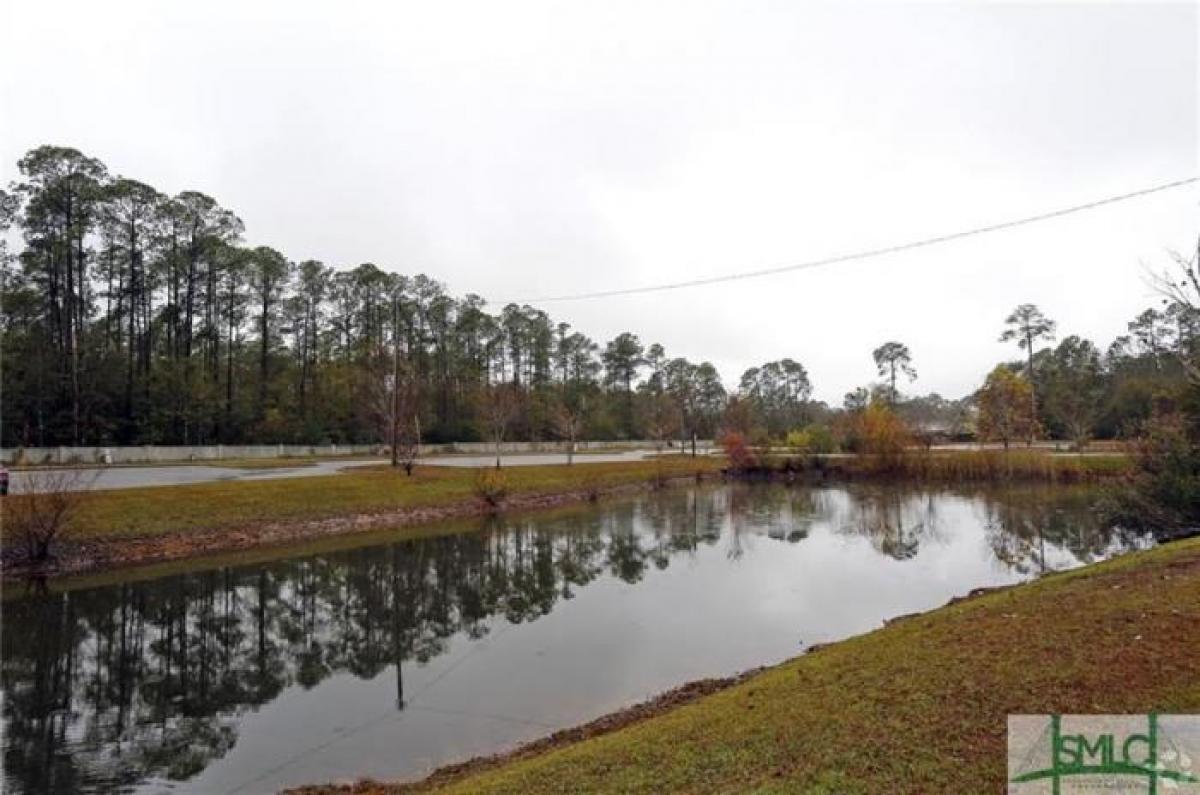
(958,466)
(916,707)
(376,489)
(116,528)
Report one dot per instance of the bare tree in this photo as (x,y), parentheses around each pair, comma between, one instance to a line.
(39,511)
(568,423)
(395,407)
(406,442)
(1182,287)
(499,404)
(660,420)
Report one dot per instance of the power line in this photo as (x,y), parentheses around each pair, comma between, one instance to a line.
(867,254)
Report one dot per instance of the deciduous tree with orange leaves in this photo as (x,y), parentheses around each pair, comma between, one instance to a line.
(1006,409)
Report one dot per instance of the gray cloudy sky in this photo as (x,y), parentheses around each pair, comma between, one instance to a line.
(524,149)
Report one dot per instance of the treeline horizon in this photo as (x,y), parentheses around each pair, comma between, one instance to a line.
(134,317)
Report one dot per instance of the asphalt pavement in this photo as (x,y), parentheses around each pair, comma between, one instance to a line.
(126,477)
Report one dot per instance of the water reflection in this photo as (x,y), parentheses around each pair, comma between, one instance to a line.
(1031,536)
(112,687)
(896,523)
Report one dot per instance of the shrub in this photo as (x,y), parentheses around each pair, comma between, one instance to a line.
(760,439)
(820,439)
(798,441)
(41,511)
(1163,493)
(589,484)
(736,448)
(814,439)
(491,486)
(882,435)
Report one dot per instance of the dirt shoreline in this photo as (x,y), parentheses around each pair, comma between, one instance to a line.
(73,558)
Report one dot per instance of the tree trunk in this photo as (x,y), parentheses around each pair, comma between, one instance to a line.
(1032,395)
(264,351)
(229,378)
(131,348)
(394,419)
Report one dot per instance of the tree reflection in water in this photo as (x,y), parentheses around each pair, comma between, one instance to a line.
(1022,532)
(107,687)
(896,521)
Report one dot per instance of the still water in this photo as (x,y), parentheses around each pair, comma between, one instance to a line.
(391,659)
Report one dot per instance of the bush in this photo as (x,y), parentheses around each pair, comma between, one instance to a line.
(737,449)
(797,441)
(760,439)
(491,486)
(1163,494)
(882,435)
(812,439)
(589,484)
(41,511)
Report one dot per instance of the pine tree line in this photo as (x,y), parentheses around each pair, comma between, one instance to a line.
(134,317)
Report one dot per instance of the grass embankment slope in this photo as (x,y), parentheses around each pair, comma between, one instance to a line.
(919,706)
(375,490)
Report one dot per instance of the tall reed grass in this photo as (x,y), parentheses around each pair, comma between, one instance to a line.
(957,467)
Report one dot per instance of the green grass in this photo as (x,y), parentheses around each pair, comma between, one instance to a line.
(374,489)
(917,707)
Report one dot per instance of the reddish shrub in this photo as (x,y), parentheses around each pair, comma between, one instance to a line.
(741,457)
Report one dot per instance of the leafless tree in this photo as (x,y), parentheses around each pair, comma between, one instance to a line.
(568,423)
(499,404)
(661,419)
(1181,286)
(406,441)
(395,408)
(39,511)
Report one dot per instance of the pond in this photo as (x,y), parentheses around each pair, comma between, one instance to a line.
(395,657)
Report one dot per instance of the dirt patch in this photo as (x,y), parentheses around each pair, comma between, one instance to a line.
(664,702)
(86,557)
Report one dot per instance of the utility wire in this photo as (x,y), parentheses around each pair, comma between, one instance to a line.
(867,254)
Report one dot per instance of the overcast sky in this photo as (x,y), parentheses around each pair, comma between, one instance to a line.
(519,150)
